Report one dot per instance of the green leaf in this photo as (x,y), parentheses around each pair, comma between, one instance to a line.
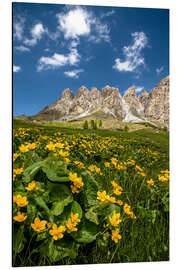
(92,215)
(18,239)
(41,203)
(107,210)
(86,233)
(62,248)
(55,170)
(31,171)
(41,236)
(74,207)
(90,189)
(59,192)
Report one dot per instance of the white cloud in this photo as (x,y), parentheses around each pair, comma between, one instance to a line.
(74,23)
(133,53)
(73,73)
(18,27)
(139,89)
(79,22)
(107,14)
(58,60)
(159,70)
(16,68)
(36,32)
(22,48)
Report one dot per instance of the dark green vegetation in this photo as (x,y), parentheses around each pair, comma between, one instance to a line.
(141,155)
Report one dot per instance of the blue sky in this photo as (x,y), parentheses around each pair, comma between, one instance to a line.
(64,46)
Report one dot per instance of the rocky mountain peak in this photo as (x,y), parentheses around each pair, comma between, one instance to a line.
(82,91)
(130,92)
(67,94)
(108,90)
(143,97)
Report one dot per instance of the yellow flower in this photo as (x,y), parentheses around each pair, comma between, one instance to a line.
(31,146)
(20,217)
(23,148)
(111,199)
(72,222)
(39,225)
(114,161)
(57,232)
(128,211)
(150,182)
(115,219)
(72,176)
(74,218)
(116,236)
(102,196)
(117,189)
(107,164)
(18,171)
(67,160)
(32,186)
(20,201)
(63,154)
(119,202)
(50,146)
(127,208)
(74,189)
(15,156)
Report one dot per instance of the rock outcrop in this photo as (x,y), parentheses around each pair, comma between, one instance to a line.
(153,106)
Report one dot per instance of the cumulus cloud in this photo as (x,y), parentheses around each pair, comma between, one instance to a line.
(16,68)
(79,22)
(36,33)
(22,48)
(132,54)
(73,73)
(74,23)
(18,28)
(58,60)
(159,70)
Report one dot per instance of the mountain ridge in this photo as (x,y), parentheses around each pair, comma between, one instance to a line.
(147,107)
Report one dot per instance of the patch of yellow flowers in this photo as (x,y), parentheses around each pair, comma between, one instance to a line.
(55,231)
(77,182)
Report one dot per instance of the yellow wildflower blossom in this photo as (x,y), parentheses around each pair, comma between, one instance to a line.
(20,217)
(57,232)
(63,153)
(115,219)
(102,196)
(74,189)
(72,222)
(116,188)
(50,146)
(116,236)
(32,186)
(20,201)
(150,182)
(107,164)
(119,202)
(18,171)
(23,148)
(39,225)
(15,156)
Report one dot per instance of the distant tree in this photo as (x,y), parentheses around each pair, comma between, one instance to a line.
(100,123)
(126,128)
(85,125)
(92,124)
